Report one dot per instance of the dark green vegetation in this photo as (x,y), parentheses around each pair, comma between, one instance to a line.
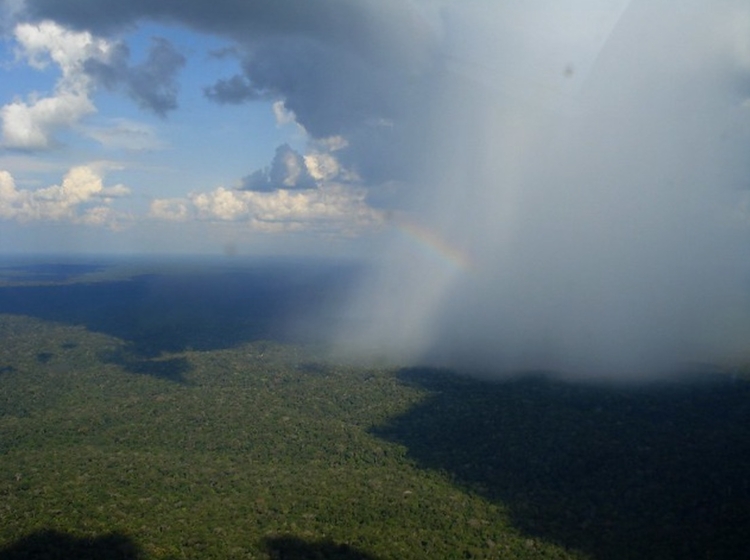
(658,471)
(255,448)
(126,433)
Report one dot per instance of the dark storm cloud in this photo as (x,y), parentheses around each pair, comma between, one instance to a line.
(382,110)
(366,26)
(287,171)
(344,68)
(599,232)
(222,16)
(152,84)
(330,91)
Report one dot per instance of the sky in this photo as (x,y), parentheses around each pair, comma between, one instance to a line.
(248,127)
(540,183)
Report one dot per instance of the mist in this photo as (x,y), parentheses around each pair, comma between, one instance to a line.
(581,199)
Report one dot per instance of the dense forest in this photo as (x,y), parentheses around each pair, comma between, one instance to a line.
(129,434)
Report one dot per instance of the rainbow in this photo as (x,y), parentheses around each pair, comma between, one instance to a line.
(435,246)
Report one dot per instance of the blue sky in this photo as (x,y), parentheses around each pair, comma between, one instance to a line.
(94,167)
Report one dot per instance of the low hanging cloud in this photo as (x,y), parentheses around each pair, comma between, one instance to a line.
(81,198)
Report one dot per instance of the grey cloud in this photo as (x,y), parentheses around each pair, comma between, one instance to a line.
(287,171)
(382,111)
(234,90)
(366,26)
(152,84)
(8,11)
(592,233)
(258,180)
(341,66)
(330,91)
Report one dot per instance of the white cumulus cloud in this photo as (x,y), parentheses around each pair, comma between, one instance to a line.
(30,124)
(329,208)
(171,209)
(80,198)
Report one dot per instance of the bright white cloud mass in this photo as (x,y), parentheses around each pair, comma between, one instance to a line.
(550,183)
(81,198)
(333,208)
(30,124)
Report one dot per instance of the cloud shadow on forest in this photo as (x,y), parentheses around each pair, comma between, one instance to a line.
(656,471)
(55,545)
(201,309)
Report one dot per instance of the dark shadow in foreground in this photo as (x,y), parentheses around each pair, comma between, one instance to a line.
(294,548)
(658,471)
(54,545)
